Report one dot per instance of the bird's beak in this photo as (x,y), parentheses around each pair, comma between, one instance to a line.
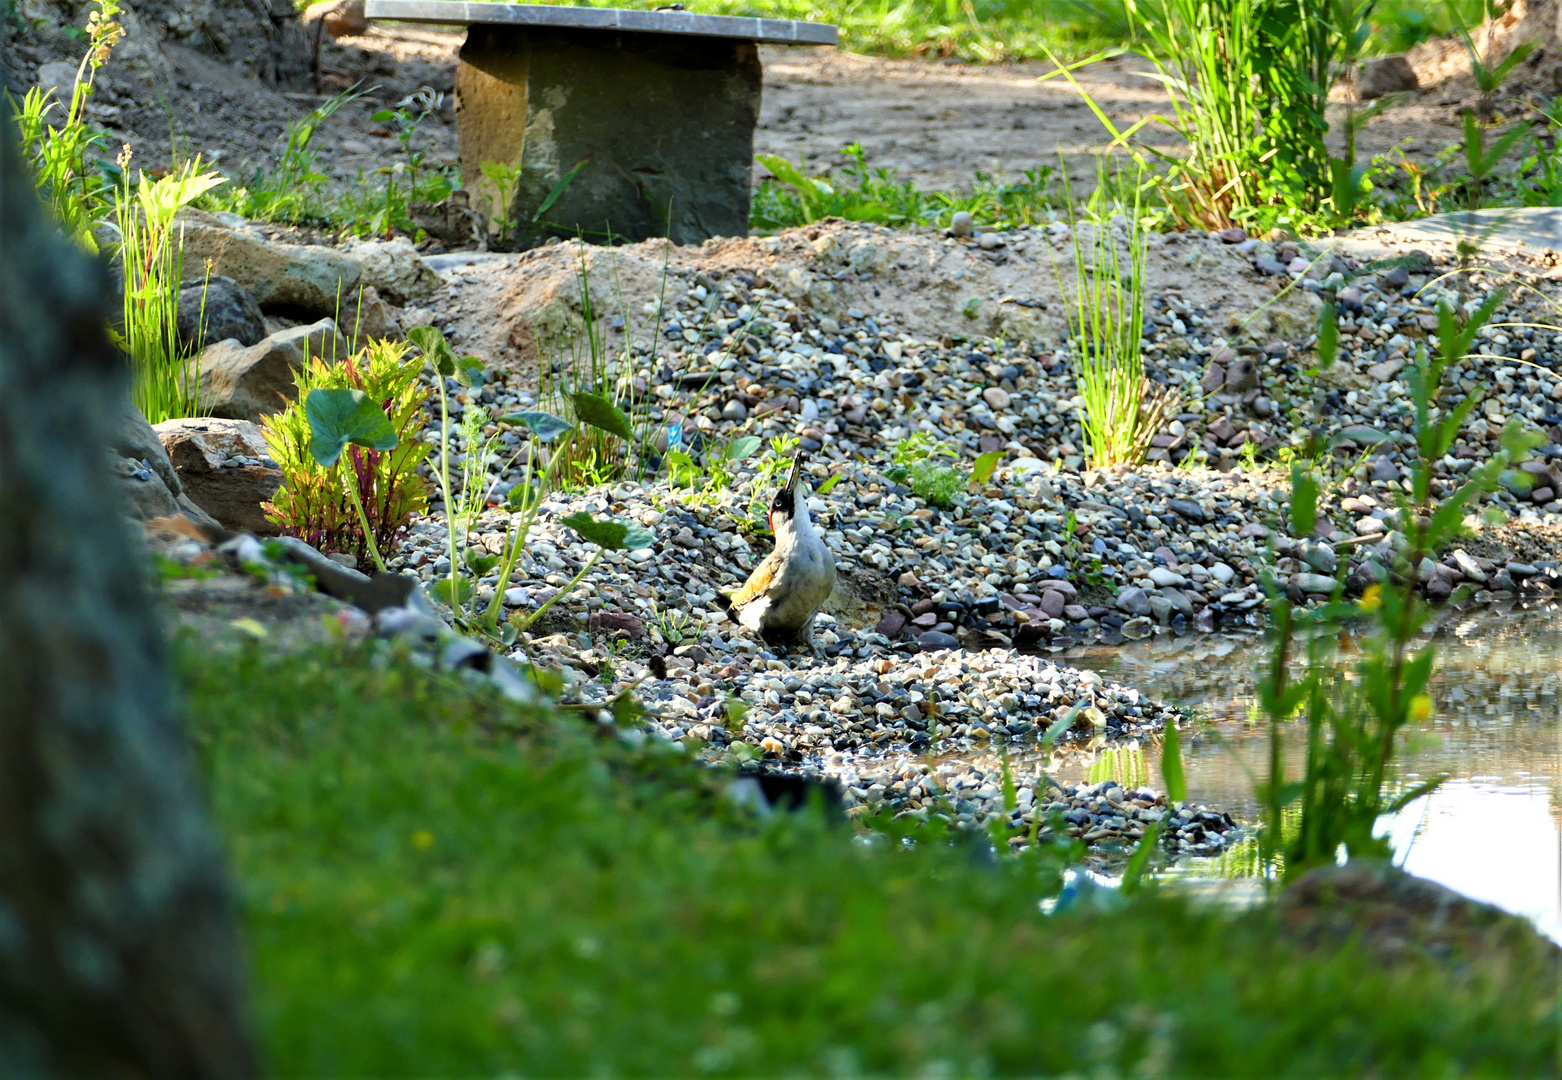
(795,477)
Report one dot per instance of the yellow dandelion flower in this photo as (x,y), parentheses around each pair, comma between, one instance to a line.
(1420,708)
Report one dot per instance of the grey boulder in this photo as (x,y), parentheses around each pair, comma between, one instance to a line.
(1134,601)
(310,278)
(217,309)
(395,268)
(151,484)
(239,383)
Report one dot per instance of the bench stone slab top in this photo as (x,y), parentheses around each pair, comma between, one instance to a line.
(462,13)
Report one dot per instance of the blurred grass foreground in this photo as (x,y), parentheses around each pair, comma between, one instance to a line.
(438,882)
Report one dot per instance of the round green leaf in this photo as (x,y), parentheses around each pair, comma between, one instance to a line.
(440,590)
(982,471)
(611,535)
(469,371)
(480,562)
(520,498)
(339,417)
(599,412)
(545,426)
(435,349)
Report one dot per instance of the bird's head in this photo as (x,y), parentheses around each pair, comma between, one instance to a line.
(784,504)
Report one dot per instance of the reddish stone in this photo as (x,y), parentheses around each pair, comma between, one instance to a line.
(614,621)
(891,623)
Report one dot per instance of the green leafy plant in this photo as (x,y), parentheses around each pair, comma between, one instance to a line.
(1248,82)
(556,192)
(405,182)
(468,564)
(313,502)
(1488,76)
(675,626)
(859,192)
(596,391)
(165,374)
(77,185)
(1175,777)
(1352,727)
(468,372)
(773,464)
(1482,159)
(920,462)
(504,178)
(1538,177)
(337,418)
(714,472)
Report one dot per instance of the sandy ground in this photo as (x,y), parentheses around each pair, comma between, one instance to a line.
(940,122)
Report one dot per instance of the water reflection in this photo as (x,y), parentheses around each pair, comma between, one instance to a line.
(1491,832)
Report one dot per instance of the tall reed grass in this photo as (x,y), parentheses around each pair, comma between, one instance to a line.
(1121,409)
(165,372)
(1248,83)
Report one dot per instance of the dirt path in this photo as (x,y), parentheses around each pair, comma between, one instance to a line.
(939,123)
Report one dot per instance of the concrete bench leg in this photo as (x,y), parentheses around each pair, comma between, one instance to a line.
(664,124)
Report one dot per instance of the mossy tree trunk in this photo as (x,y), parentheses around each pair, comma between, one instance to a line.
(118,952)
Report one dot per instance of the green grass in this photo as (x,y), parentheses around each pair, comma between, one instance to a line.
(982,31)
(986,31)
(856,191)
(436,883)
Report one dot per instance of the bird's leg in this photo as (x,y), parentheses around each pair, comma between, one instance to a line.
(808,638)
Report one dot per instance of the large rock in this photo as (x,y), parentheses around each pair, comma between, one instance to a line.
(340,18)
(133,438)
(150,481)
(1385,75)
(226,469)
(215,309)
(146,495)
(307,278)
(395,268)
(239,383)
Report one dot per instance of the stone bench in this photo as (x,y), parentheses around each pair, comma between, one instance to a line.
(657,108)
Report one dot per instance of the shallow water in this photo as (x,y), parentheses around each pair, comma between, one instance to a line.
(1492,831)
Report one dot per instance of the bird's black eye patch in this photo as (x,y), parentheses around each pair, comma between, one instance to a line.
(784,502)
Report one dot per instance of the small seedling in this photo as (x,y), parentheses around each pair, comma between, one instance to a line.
(505,179)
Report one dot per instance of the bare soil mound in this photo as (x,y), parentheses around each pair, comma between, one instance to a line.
(508,308)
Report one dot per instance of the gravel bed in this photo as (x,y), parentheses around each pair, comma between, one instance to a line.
(1181,547)
(930,641)
(893,733)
